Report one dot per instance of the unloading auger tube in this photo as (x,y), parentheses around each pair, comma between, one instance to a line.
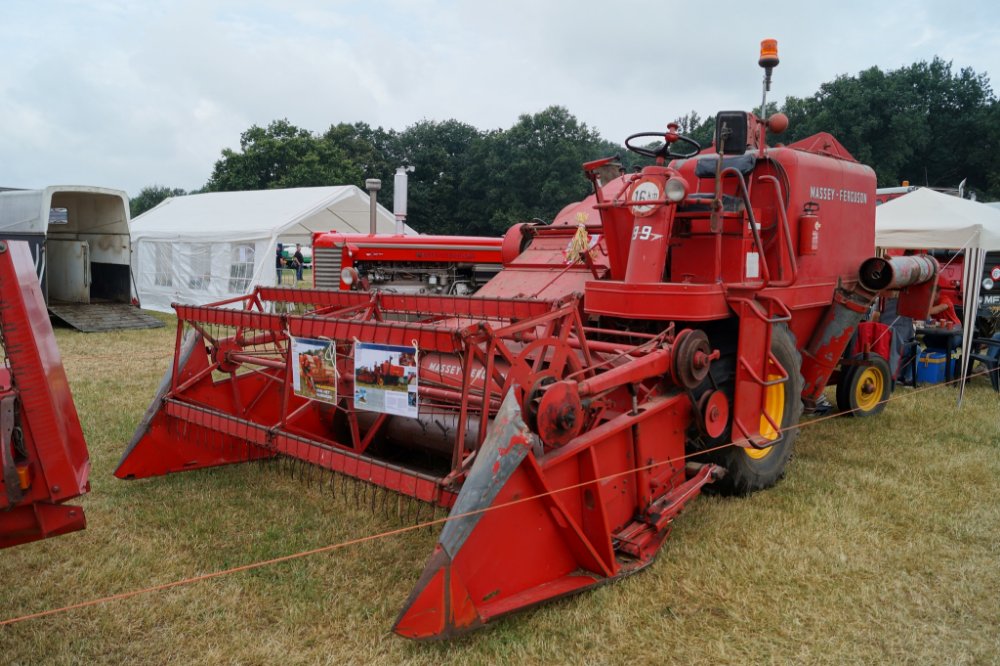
(823,353)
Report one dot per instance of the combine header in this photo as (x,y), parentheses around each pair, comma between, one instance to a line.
(43,457)
(661,335)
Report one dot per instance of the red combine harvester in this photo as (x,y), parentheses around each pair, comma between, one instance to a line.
(401,264)
(663,334)
(43,457)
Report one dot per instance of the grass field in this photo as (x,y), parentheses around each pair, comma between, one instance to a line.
(882,545)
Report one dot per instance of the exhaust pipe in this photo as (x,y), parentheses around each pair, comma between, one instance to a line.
(399,195)
(373,185)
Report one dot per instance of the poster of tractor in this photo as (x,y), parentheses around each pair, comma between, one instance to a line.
(314,369)
(385,379)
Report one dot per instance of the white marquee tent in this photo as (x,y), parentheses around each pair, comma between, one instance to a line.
(925,219)
(201,248)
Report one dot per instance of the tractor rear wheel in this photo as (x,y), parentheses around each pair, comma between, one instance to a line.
(862,390)
(750,469)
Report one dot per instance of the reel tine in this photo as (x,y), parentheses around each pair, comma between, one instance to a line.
(333,483)
(384,502)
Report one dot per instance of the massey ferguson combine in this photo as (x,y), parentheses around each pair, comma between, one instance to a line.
(43,457)
(661,335)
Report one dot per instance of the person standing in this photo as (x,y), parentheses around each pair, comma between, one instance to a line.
(944,310)
(299,262)
(279,261)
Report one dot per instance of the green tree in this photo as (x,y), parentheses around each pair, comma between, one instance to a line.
(533,169)
(446,188)
(373,150)
(282,155)
(150,197)
(924,123)
(700,129)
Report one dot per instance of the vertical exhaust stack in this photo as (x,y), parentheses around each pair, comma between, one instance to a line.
(399,194)
(373,185)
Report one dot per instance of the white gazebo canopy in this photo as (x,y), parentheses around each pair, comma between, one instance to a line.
(925,219)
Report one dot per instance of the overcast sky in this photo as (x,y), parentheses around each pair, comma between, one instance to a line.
(130,93)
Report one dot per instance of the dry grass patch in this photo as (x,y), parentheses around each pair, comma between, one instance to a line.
(881,545)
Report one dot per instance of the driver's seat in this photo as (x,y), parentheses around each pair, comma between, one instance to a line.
(705,166)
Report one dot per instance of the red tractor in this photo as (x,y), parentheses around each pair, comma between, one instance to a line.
(404,264)
(663,334)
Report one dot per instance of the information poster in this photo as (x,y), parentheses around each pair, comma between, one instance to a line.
(385,379)
(314,369)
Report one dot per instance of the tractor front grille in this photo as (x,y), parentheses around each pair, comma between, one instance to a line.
(326,267)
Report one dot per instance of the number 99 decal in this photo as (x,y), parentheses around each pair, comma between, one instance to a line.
(642,232)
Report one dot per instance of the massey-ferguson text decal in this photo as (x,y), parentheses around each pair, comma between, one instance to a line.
(833,194)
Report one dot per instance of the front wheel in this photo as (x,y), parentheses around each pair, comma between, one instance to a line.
(863,390)
(750,469)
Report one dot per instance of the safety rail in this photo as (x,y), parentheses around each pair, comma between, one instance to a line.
(752,303)
(785,231)
(765,271)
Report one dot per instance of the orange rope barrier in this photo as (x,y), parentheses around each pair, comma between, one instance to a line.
(115,357)
(411,528)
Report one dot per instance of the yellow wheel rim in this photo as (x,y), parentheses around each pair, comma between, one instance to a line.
(869,389)
(774,406)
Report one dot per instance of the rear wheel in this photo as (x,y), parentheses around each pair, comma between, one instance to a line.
(863,390)
(750,469)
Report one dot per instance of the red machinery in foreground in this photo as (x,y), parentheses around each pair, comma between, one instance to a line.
(43,457)
(661,335)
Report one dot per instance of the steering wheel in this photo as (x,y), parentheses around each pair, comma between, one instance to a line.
(663,151)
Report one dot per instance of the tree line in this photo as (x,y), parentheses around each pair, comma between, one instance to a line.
(924,123)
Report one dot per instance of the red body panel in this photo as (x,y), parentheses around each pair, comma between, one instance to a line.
(43,456)
(429,248)
(352,249)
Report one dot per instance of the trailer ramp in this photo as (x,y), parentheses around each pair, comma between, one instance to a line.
(95,317)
